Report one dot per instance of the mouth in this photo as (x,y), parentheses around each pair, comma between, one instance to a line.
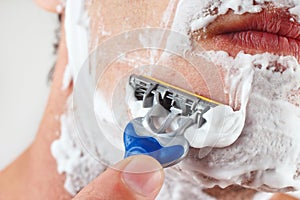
(273,30)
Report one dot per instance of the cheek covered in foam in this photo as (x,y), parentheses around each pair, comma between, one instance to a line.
(266,155)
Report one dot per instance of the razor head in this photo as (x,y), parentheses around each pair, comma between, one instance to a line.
(149,90)
(145,135)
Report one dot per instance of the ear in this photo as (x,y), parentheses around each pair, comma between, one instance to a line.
(54,6)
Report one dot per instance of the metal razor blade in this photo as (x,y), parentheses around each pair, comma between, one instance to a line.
(160,133)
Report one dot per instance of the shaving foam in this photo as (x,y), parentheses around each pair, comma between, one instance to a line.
(266,155)
(76,26)
(72,159)
(265,86)
(181,186)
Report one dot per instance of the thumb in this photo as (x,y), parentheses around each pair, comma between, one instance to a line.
(136,177)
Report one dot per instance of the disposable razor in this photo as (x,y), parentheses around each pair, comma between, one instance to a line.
(160,133)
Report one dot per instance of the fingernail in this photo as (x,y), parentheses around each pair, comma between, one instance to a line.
(143,175)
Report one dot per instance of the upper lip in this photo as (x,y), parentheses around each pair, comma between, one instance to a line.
(276,21)
(272,30)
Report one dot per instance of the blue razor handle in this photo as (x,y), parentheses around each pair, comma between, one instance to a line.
(164,147)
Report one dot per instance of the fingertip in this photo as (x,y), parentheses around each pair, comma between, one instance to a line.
(136,177)
(143,175)
(280,196)
(138,164)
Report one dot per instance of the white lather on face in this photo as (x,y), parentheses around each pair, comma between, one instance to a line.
(240,159)
(268,87)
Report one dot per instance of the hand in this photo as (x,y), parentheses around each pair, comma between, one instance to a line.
(136,177)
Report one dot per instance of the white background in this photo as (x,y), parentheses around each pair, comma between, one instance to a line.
(26,55)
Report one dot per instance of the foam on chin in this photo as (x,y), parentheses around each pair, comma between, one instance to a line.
(266,155)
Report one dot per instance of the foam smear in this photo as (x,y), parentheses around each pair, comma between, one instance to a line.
(76,25)
(266,90)
(223,126)
(266,155)
(72,159)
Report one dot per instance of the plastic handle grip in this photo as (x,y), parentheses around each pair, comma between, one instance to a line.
(137,143)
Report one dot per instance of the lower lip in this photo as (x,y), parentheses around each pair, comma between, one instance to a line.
(254,42)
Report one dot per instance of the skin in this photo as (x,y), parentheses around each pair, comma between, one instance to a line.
(33,175)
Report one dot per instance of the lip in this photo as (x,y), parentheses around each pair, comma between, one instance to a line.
(273,30)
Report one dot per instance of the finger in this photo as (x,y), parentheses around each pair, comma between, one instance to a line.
(137,177)
(282,197)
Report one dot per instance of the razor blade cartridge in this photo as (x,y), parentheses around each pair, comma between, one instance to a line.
(170,96)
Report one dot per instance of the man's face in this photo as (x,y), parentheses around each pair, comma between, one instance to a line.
(265,29)
(268,28)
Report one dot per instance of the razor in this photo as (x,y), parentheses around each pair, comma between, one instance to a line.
(160,133)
